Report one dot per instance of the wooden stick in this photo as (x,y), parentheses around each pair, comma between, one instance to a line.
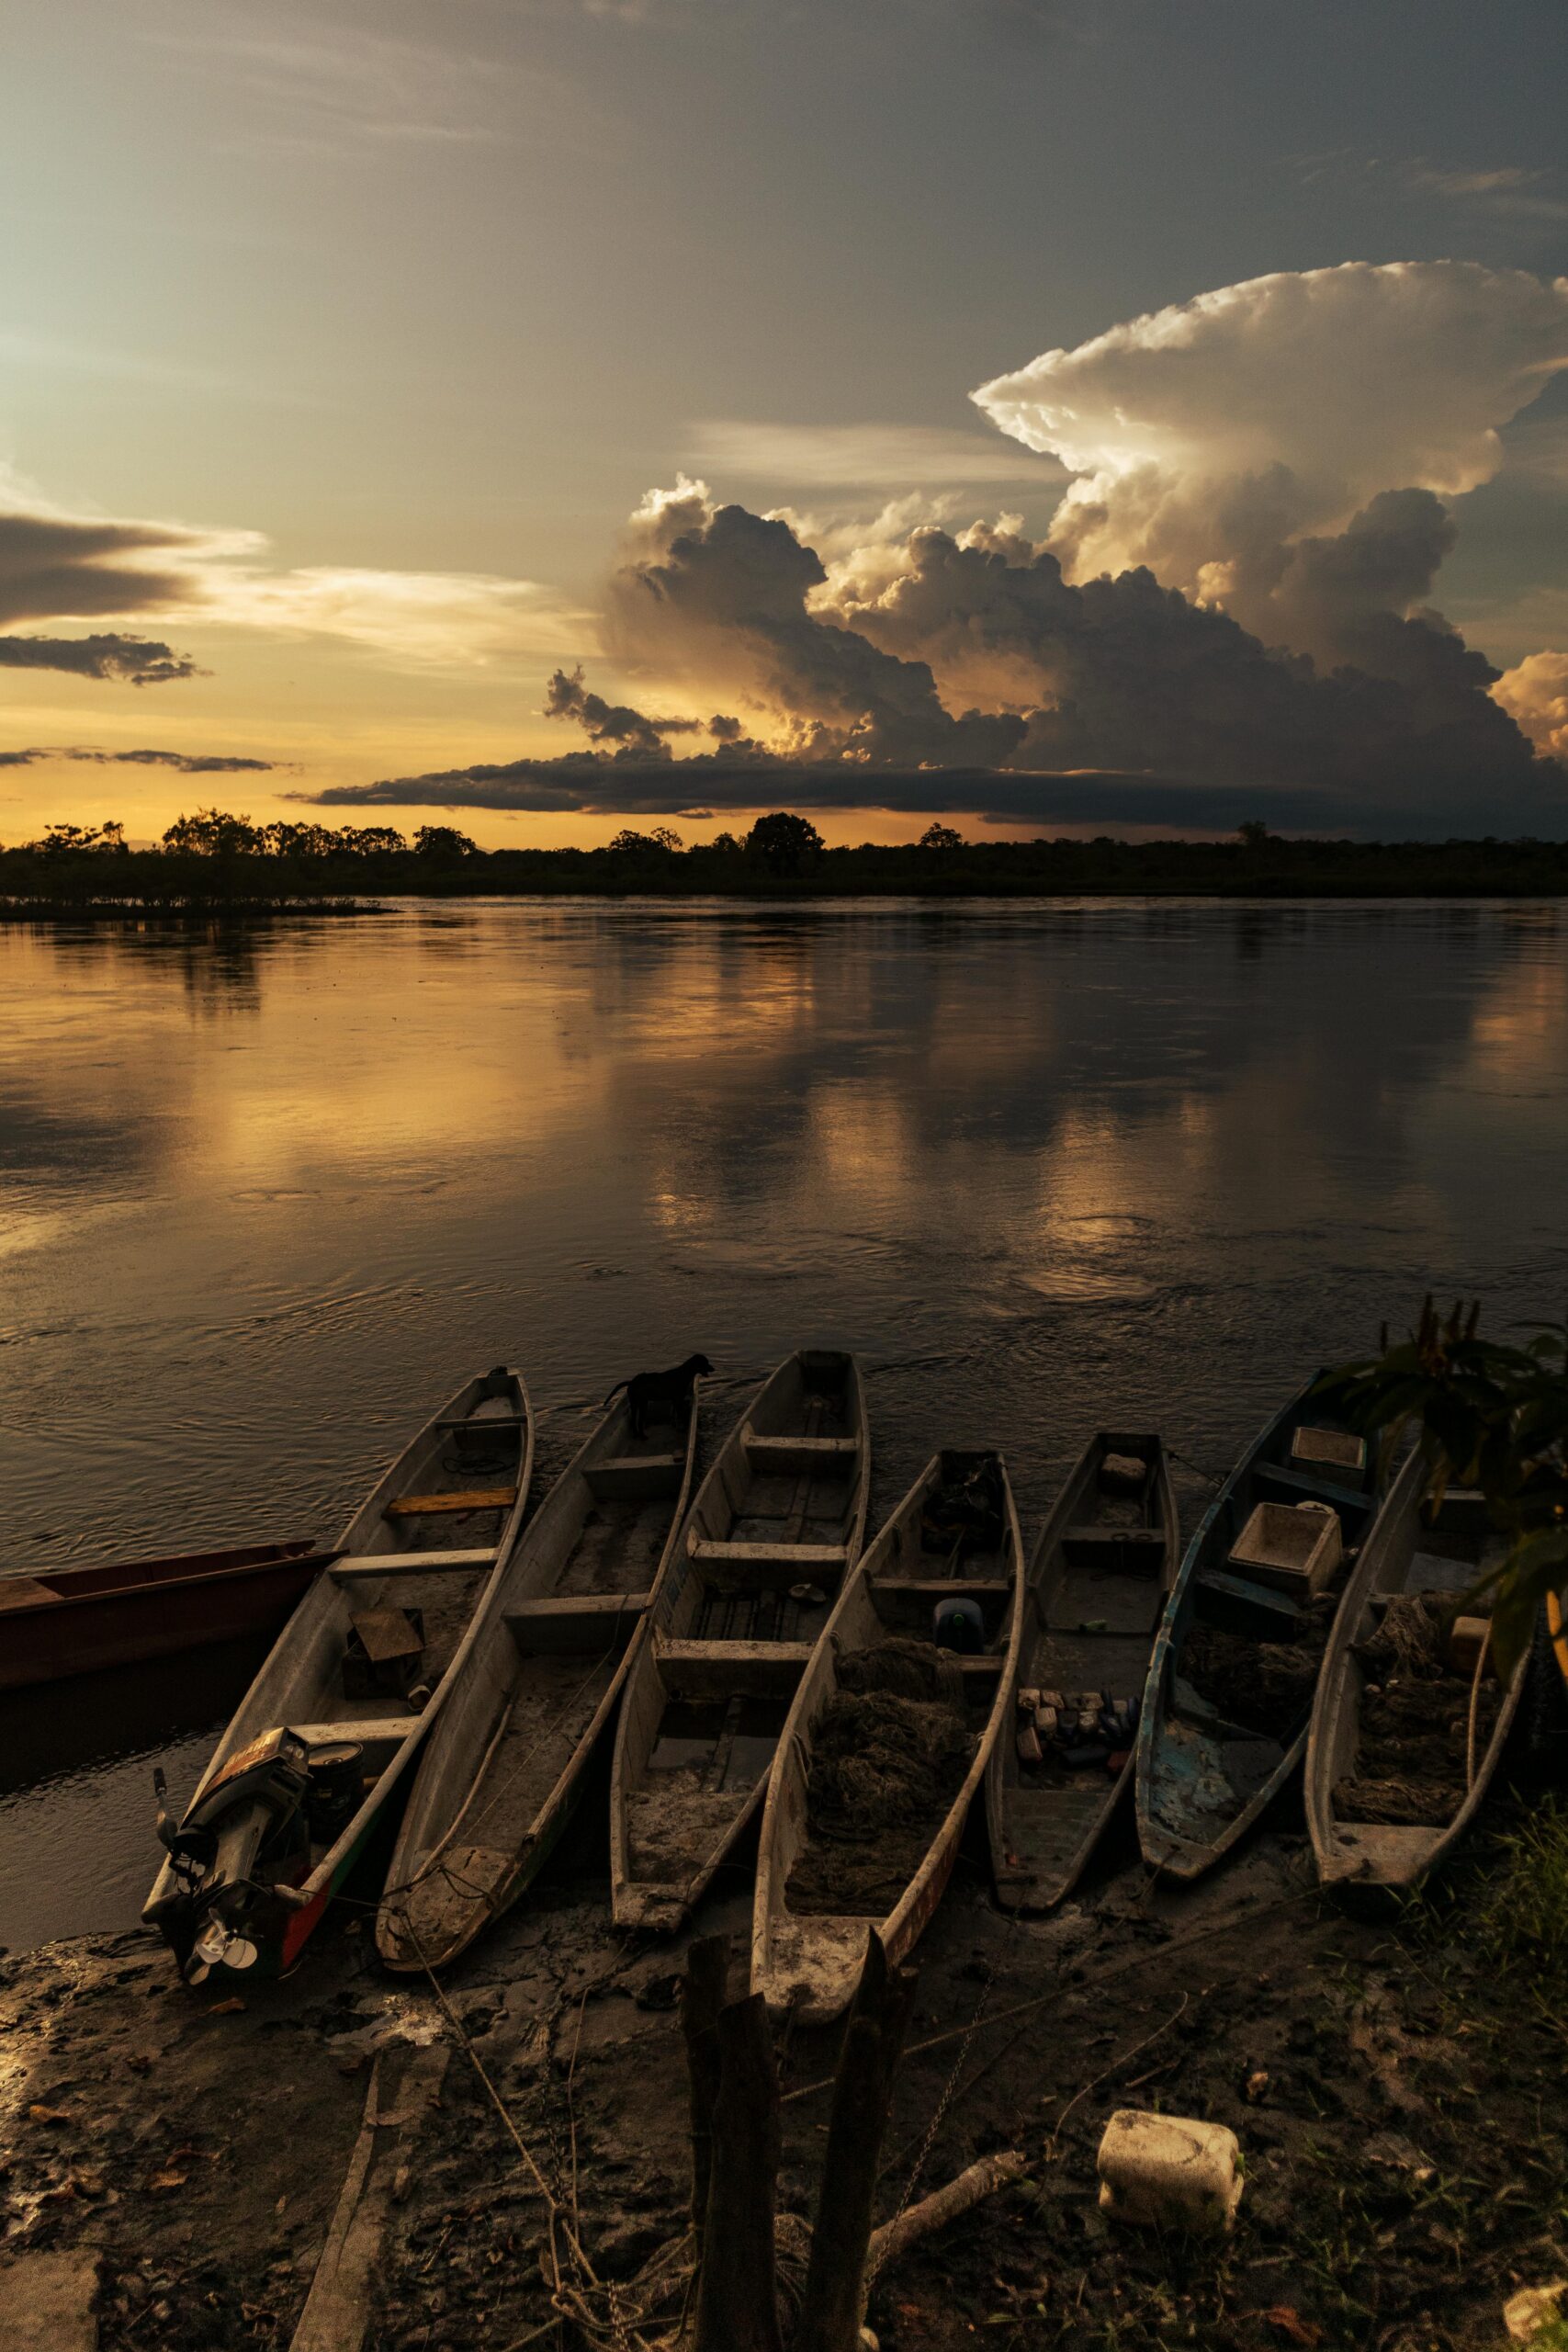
(944,2205)
(862,2096)
(736,2309)
(701,1997)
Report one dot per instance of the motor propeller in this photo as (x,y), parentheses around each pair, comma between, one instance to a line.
(217,1945)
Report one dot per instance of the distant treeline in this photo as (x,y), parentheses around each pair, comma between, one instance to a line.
(215,860)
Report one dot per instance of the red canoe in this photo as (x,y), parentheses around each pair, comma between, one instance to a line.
(70,1620)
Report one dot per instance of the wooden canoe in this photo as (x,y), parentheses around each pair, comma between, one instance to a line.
(1204,1776)
(1403,1554)
(1097,1579)
(777,1525)
(303,1773)
(807,1961)
(503,1768)
(60,1621)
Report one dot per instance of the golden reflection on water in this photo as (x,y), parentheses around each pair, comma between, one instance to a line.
(268,1194)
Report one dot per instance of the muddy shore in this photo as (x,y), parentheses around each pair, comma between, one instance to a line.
(1399,2102)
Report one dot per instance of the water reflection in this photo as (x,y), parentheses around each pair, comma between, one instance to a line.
(1048,1165)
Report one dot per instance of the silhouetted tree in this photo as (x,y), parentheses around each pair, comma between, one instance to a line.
(941,837)
(443,840)
(61,839)
(783,843)
(214,832)
(1253,834)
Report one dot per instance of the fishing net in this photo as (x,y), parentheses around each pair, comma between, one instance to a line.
(1410,1758)
(889,1754)
(1261,1687)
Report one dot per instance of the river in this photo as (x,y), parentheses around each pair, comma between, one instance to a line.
(270,1192)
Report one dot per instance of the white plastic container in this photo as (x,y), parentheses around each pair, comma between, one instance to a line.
(1294,1547)
(1169,2172)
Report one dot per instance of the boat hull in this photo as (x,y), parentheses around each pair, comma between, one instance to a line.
(150,1609)
(1202,1781)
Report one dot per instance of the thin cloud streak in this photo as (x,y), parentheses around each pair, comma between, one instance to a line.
(867,456)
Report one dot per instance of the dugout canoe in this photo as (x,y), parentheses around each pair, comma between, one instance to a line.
(504,1770)
(1405,1554)
(777,1525)
(1095,1589)
(1203,1776)
(807,1948)
(60,1621)
(350,1691)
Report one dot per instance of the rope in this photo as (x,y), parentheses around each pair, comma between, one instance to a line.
(1475,1707)
(1186,1462)
(571,2303)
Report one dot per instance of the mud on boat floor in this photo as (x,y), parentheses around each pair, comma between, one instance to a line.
(1399,2105)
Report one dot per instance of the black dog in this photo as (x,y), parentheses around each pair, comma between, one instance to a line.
(666,1394)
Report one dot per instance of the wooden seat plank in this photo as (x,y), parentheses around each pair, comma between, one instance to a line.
(413,1563)
(454,1499)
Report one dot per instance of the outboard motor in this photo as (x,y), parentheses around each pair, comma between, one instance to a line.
(249,1817)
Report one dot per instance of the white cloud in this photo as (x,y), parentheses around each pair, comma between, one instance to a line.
(450,619)
(1535,692)
(1211,435)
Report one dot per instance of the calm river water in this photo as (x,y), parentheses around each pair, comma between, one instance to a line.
(268,1196)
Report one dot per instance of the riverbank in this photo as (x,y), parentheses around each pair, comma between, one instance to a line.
(1396,2092)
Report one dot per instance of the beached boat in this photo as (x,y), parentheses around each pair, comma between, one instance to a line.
(1395,1770)
(776,1527)
(59,1621)
(349,1692)
(1237,1657)
(1098,1579)
(889,1738)
(504,1770)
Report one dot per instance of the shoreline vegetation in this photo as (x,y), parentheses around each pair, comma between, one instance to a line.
(217,864)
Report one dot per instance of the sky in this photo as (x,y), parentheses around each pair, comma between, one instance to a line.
(1047,414)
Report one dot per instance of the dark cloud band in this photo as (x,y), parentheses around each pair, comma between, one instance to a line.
(185,763)
(131,661)
(1001,797)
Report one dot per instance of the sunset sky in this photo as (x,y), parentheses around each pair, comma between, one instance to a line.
(1047,413)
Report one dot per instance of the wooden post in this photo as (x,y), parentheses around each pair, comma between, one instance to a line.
(737,2308)
(702,1998)
(862,2096)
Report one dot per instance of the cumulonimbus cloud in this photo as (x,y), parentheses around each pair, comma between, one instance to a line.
(1212,438)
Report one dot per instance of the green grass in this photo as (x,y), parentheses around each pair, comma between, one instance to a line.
(1522,1914)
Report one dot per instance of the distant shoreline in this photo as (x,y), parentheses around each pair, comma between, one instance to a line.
(124,885)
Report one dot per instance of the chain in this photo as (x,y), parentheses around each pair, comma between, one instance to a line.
(943,2103)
